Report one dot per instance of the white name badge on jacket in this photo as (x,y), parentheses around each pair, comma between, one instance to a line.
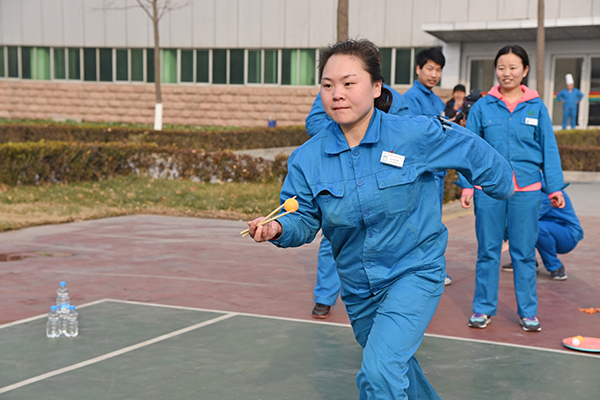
(392,159)
(531,121)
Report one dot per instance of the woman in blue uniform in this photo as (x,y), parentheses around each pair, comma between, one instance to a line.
(515,121)
(367,181)
(327,287)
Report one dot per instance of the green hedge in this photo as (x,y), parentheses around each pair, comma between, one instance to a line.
(240,139)
(579,137)
(62,162)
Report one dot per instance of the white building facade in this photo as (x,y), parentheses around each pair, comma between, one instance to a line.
(243,62)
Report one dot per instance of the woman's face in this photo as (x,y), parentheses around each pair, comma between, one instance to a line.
(347,91)
(510,71)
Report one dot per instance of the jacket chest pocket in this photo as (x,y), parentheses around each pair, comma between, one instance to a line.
(528,126)
(396,189)
(494,132)
(335,205)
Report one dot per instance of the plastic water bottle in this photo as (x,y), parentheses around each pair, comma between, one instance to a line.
(53,324)
(71,325)
(62,298)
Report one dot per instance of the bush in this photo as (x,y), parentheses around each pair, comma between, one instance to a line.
(579,137)
(240,139)
(62,162)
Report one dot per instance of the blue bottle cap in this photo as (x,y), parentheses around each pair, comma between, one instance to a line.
(52,308)
(63,284)
(72,307)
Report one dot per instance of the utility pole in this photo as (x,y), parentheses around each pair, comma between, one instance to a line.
(541,49)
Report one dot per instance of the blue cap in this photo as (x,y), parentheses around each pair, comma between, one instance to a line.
(72,307)
(63,284)
(52,308)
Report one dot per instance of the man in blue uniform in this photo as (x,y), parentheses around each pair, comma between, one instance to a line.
(422,101)
(328,284)
(570,98)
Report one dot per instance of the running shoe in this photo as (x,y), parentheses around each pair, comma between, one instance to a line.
(530,324)
(479,320)
(559,275)
(321,311)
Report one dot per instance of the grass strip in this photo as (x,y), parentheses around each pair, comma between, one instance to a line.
(24,206)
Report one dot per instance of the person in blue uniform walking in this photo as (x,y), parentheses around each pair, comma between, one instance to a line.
(327,287)
(559,233)
(367,182)
(515,121)
(570,98)
(421,100)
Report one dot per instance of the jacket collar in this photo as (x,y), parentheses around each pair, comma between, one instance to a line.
(336,143)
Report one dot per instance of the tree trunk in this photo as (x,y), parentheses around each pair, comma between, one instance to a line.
(342,20)
(541,49)
(158,106)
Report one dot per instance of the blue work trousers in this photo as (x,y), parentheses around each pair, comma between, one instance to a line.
(553,239)
(520,215)
(569,113)
(328,284)
(390,326)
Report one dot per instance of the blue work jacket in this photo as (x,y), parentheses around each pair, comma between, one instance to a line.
(524,137)
(569,99)
(563,216)
(317,118)
(422,101)
(383,220)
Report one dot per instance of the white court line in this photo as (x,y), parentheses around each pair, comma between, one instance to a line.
(113,354)
(567,352)
(22,321)
(519,346)
(182,278)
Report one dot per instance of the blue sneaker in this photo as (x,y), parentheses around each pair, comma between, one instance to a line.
(479,320)
(530,324)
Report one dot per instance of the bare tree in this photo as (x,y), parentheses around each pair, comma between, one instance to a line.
(155,9)
(342,20)
(541,49)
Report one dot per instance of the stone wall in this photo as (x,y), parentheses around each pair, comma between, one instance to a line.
(240,106)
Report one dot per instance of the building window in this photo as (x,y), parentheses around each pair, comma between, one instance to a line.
(27,63)
(202,66)
(270,74)
(122,59)
(307,67)
(254,66)
(403,67)
(482,74)
(169,66)
(42,63)
(137,65)
(106,65)
(219,67)
(386,64)
(298,67)
(236,67)
(60,65)
(187,66)
(74,64)
(89,65)
(1,62)
(150,65)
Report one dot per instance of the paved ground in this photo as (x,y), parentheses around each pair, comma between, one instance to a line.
(205,264)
